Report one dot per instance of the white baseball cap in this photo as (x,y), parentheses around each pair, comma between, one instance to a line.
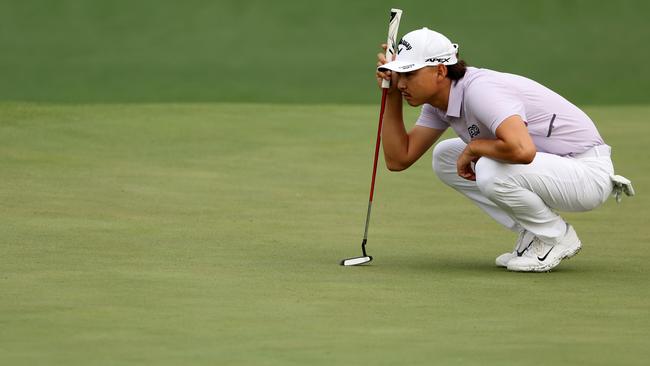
(420,48)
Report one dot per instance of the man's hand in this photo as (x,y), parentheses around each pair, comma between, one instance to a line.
(386,75)
(464,164)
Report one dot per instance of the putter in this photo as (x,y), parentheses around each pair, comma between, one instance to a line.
(393,26)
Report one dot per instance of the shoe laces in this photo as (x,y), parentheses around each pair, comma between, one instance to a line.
(520,241)
(539,247)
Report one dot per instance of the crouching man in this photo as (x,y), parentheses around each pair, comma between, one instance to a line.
(523,152)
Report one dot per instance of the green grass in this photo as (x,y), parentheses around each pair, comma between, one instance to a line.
(294,51)
(211,233)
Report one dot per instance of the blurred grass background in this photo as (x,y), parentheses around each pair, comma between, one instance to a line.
(305,52)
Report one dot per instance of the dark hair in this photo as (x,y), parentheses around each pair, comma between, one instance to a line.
(457,71)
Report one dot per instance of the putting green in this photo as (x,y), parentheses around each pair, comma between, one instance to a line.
(211,234)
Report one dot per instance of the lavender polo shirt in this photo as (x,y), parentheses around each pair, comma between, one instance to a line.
(483,98)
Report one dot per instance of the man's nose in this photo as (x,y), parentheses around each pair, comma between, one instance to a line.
(401,83)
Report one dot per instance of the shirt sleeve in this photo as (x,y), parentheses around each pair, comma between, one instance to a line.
(429,117)
(491,102)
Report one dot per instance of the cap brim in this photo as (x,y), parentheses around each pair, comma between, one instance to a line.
(401,66)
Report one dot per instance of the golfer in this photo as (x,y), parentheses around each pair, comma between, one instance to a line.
(523,152)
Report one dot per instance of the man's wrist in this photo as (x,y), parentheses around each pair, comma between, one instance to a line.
(470,150)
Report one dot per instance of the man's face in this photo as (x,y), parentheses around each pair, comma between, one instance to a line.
(419,86)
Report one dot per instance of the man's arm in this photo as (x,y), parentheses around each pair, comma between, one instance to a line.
(402,149)
(512,145)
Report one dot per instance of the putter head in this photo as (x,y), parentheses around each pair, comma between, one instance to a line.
(356,261)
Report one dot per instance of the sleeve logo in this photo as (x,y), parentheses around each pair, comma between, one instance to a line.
(473,131)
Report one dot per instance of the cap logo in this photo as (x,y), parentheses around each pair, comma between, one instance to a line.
(404,43)
(438,59)
(407,66)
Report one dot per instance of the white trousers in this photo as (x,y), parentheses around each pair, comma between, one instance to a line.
(526,196)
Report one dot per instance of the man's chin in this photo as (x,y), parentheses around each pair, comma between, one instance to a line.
(413,103)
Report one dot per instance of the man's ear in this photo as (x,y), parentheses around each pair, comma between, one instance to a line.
(442,71)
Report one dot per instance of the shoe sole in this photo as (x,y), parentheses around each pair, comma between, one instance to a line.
(547,267)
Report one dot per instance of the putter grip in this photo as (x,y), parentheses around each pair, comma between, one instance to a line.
(391,42)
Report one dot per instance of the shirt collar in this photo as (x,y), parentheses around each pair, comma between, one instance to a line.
(455,98)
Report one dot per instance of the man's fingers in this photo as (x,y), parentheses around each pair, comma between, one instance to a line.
(381,60)
(384,75)
(467,175)
(464,168)
(381,75)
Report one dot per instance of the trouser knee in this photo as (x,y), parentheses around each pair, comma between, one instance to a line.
(487,178)
(445,155)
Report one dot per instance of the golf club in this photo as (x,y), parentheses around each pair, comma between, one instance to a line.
(393,26)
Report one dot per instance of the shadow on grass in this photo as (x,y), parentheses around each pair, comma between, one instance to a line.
(475,265)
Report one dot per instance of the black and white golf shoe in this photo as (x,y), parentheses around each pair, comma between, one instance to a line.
(542,256)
